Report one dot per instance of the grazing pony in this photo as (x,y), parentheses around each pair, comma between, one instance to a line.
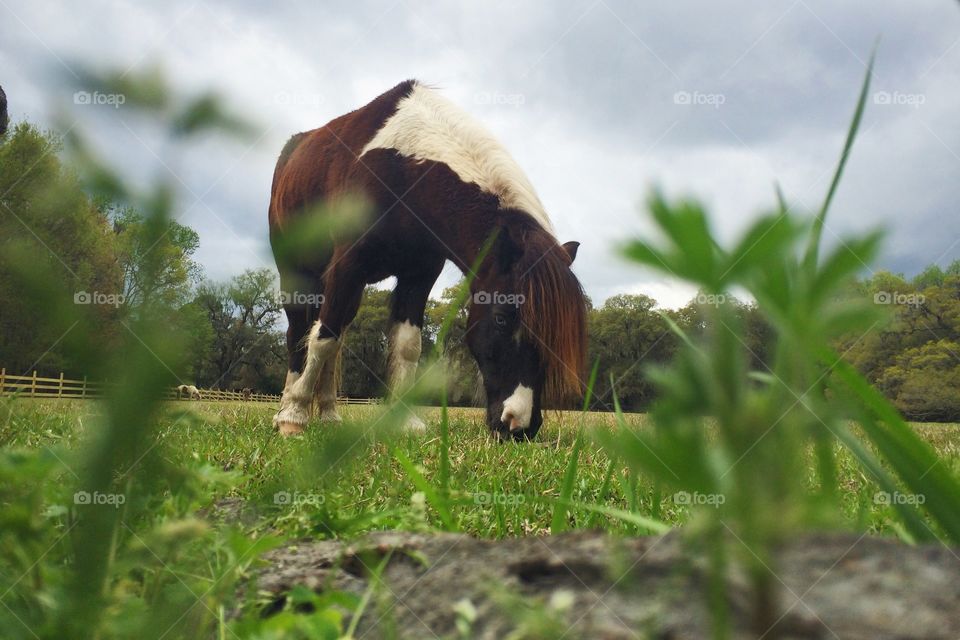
(441,188)
(188,391)
(3,112)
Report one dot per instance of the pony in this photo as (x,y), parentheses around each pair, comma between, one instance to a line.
(3,112)
(188,391)
(439,187)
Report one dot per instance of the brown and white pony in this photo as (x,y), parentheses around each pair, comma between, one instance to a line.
(440,186)
(188,391)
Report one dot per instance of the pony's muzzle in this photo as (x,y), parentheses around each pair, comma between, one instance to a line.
(518,408)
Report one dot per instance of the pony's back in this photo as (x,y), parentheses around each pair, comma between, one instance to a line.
(314,165)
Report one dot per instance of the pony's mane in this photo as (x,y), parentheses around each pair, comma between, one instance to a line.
(554,314)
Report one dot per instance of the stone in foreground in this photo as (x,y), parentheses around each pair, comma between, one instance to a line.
(834,586)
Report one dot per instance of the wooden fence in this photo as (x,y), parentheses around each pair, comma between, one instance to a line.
(34,386)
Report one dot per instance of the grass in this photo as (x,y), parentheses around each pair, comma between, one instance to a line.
(344,480)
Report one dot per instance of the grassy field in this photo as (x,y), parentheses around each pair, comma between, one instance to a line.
(216,487)
(340,481)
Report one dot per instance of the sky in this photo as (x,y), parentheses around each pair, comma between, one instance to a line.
(600,101)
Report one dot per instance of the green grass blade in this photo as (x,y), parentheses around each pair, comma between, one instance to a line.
(908,514)
(559,521)
(648,525)
(444,444)
(439,502)
(914,461)
(813,248)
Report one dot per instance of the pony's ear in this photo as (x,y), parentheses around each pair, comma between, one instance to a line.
(571,249)
(507,250)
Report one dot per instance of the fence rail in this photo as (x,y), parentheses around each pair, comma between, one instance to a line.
(34,386)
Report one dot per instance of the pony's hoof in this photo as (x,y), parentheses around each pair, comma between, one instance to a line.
(414,424)
(289,428)
(330,415)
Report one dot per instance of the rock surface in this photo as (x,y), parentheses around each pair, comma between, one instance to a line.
(832,586)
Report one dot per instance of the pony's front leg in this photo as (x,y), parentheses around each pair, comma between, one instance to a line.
(404,345)
(404,341)
(295,405)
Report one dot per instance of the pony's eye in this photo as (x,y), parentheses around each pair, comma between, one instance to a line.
(500,320)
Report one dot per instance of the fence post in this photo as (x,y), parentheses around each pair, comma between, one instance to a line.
(33,386)
(3,382)
(60,387)
(83,389)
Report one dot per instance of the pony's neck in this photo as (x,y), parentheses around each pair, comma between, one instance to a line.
(470,234)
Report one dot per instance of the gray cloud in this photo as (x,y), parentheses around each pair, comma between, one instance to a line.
(584,93)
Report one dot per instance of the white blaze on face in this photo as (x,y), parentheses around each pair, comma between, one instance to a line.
(518,408)
(427,126)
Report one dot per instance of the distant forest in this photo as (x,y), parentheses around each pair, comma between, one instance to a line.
(912,353)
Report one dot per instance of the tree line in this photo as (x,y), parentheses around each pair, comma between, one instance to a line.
(912,354)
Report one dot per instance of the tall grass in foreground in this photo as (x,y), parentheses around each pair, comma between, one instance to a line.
(751,478)
(90,538)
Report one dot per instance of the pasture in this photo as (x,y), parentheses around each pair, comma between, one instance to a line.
(345,480)
(219,488)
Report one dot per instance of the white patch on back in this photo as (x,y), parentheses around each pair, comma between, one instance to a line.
(427,126)
(518,408)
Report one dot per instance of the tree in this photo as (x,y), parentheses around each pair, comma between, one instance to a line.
(245,348)
(48,221)
(172,270)
(924,381)
(626,335)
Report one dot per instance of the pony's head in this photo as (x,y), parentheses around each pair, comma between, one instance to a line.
(526,327)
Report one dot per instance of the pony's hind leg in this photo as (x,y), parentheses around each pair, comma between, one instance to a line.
(343,294)
(295,404)
(302,312)
(327,390)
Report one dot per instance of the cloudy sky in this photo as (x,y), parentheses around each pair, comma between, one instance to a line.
(598,100)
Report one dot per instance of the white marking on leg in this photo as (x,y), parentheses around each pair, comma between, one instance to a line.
(298,394)
(518,408)
(327,399)
(404,345)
